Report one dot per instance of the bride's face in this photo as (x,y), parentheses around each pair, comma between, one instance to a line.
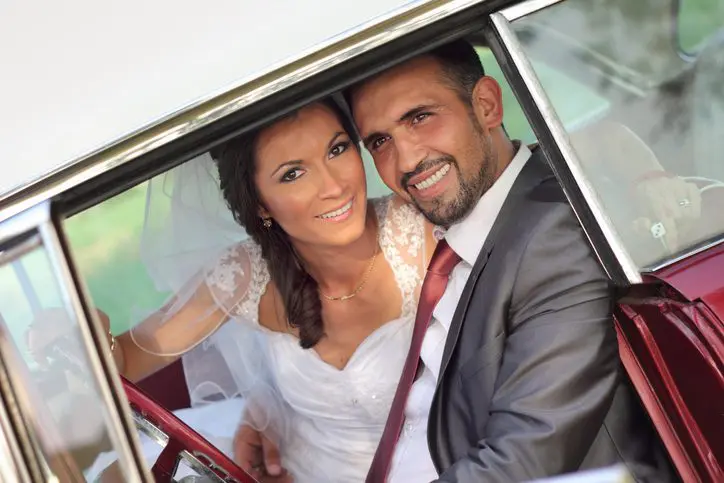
(311,179)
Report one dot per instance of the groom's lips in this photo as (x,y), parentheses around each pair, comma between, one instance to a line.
(430,192)
(418,178)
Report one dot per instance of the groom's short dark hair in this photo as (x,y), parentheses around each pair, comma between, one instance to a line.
(461,67)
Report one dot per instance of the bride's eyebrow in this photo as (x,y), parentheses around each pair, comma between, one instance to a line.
(286,164)
(334,138)
(297,162)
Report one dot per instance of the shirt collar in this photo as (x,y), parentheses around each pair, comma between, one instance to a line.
(480,220)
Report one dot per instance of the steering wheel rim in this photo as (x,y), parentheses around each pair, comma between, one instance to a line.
(181,438)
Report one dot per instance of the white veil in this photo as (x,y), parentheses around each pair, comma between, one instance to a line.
(187,223)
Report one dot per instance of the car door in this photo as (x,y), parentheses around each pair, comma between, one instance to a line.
(644,174)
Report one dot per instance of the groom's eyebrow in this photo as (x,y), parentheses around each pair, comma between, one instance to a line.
(409,114)
(417,110)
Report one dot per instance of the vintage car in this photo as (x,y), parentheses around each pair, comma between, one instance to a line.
(99,100)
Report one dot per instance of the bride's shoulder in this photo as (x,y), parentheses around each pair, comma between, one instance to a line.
(238,268)
(394,208)
(246,252)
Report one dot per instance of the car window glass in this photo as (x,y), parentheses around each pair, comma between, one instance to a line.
(49,367)
(654,153)
(698,20)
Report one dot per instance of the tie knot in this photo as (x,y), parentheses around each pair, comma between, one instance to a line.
(443,259)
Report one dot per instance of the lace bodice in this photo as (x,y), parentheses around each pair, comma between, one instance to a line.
(328,421)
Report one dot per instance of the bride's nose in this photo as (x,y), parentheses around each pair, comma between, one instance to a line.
(330,185)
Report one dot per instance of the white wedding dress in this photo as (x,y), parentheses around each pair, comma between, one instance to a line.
(327,421)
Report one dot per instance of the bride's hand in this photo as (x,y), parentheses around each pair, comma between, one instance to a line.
(259,456)
(52,324)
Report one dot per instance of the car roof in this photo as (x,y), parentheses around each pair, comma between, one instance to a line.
(81,74)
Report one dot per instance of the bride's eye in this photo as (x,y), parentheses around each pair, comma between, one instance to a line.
(291,175)
(338,149)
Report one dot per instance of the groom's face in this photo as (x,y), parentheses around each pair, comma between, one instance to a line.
(430,145)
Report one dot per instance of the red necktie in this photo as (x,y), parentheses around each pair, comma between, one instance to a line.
(438,273)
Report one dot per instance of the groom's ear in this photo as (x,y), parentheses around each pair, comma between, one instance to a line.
(487,102)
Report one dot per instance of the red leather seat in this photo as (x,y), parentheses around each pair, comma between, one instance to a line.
(168,387)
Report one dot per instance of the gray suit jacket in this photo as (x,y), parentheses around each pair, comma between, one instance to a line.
(530,384)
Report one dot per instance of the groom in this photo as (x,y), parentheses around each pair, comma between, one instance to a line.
(515,351)
(513,372)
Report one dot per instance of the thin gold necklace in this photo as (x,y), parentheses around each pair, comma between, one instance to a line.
(342,298)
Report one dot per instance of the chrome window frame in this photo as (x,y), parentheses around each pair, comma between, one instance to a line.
(525,8)
(554,141)
(24,232)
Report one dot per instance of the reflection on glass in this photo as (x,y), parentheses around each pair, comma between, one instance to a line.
(697,21)
(43,348)
(654,154)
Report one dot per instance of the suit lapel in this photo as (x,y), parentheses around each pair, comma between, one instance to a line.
(535,171)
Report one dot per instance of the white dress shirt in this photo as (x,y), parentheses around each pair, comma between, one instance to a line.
(412,461)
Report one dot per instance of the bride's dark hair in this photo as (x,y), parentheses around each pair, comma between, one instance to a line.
(299,291)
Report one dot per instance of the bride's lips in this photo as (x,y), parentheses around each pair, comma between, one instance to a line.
(338,214)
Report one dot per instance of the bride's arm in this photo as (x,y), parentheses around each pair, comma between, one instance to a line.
(151,345)
(164,336)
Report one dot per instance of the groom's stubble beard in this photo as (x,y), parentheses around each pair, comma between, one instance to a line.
(446,213)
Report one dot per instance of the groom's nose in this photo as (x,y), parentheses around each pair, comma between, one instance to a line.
(410,152)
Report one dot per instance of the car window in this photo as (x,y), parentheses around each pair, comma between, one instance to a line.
(653,154)
(105,241)
(52,378)
(697,21)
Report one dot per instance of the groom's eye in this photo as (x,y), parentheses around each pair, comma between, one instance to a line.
(377,142)
(420,117)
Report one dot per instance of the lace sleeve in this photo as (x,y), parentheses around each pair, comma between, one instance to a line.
(231,287)
(402,239)
(238,280)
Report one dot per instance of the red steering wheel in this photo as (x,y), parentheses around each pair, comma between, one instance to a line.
(181,438)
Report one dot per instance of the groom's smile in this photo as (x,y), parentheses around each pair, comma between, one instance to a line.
(426,141)
(429,180)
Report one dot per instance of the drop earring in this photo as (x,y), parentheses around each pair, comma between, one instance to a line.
(267,222)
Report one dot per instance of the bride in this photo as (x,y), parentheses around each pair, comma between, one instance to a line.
(312,315)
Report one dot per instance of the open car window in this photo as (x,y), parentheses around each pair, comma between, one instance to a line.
(648,139)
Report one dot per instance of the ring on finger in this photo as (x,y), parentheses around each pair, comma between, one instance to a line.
(684,202)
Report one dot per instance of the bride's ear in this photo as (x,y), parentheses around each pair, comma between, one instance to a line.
(263,213)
